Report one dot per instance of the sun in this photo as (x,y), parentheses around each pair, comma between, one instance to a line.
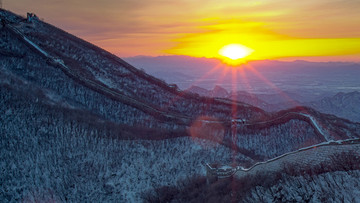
(235,51)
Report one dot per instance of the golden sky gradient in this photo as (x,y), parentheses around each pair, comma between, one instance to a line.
(316,30)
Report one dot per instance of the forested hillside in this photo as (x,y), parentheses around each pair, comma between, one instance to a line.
(80,124)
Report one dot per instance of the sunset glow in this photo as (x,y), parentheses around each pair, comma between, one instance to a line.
(281,29)
(235,51)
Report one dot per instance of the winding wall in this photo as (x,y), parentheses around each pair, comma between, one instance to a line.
(308,156)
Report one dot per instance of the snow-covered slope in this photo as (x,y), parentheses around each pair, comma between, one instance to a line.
(345,105)
(53,150)
(338,186)
(77,122)
(327,173)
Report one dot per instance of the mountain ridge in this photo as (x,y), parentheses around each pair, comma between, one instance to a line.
(97,136)
(95,80)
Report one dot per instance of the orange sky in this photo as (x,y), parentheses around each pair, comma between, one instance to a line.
(320,30)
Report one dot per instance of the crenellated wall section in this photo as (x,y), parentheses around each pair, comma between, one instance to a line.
(308,156)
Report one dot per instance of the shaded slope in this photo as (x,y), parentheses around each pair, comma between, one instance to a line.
(52,150)
(105,85)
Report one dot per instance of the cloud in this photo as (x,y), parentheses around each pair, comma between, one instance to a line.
(136,25)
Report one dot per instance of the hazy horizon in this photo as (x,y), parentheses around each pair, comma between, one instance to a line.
(278,30)
(265,76)
(290,59)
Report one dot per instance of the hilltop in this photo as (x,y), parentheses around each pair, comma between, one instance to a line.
(79,123)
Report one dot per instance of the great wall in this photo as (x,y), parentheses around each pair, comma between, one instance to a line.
(156,112)
(308,156)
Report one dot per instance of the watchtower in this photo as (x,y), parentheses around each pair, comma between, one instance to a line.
(211,175)
(31,17)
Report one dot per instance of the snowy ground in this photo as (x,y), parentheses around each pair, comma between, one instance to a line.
(87,168)
(339,186)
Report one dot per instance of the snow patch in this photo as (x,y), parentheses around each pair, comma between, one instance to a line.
(106,81)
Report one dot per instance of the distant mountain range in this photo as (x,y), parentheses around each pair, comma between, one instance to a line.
(80,124)
(307,81)
(345,105)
